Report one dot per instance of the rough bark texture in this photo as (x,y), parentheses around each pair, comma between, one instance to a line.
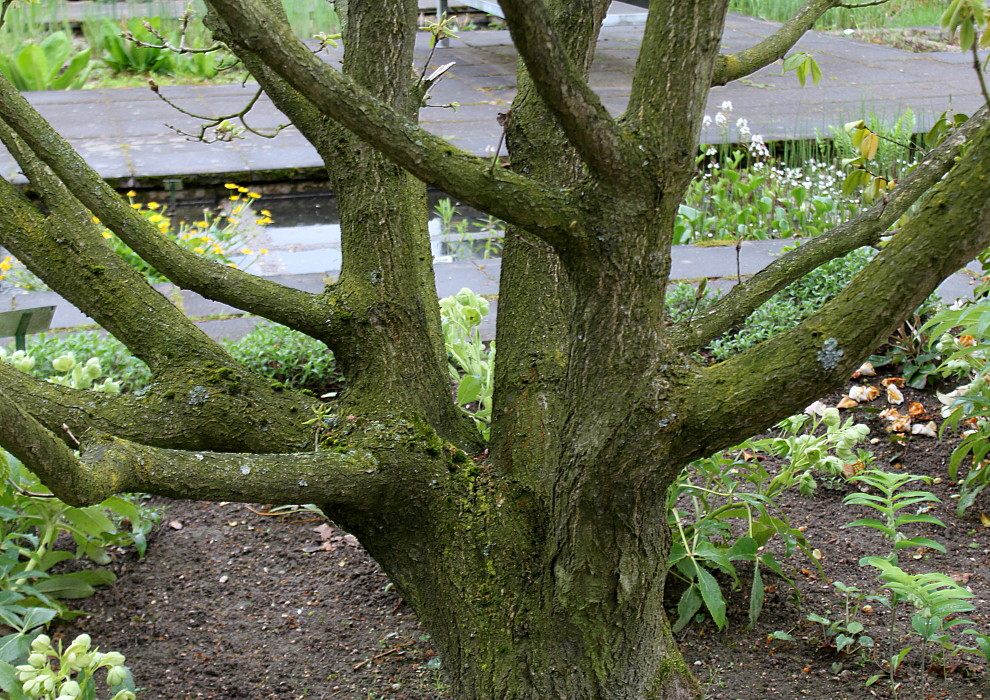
(536,561)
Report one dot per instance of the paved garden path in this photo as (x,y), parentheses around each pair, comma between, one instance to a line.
(123,134)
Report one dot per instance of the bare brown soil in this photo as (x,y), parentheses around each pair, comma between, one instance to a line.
(230,603)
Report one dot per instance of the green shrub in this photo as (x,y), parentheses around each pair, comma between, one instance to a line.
(49,65)
(287,356)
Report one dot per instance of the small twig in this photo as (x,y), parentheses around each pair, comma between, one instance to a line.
(378,656)
(503,119)
(69,433)
(853,6)
(739,260)
(979,73)
(225,131)
(25,492)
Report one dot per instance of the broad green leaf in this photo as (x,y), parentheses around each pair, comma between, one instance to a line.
(712,596)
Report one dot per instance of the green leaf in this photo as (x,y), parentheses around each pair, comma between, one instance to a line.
(13,647)
(756,597)
(688,605)
(469,390)
(712,595)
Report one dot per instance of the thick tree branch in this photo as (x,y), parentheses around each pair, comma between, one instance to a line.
(579,111)
(864,229)
(176,412)
(50,458)
(433,160)
(784,374)
(355,479)
(291,307)
(738,65)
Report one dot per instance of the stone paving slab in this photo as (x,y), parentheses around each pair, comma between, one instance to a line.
(123,135)
(689,263)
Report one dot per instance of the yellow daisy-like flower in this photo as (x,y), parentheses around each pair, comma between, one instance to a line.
(155,218)
(187,236)
(201,224)
(199,250)
(217,250)
(136,205)
(95,220)
(237,210)
(231,186)
(232,265)
(7,263)
(131,193)
(107,235)
(263,251)
(254,195)
(164,227)
(242,190)
(265,212)
(246,251)
(153,205)
(235,198)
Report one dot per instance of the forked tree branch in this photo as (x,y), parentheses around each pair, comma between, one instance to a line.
(504,194)
(291,307)
(358,479)
(738,65)
(784,374)
(864,229)
(581,114)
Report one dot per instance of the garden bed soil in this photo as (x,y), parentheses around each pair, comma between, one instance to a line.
(230,603)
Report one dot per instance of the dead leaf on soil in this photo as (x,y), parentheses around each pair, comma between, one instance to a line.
(892,381)
(865,370)
(961,578)
(915,409)
(846,402)
(851,470)
(985,519)
(175,524)
(928,429)
(894,394)
(324,531)
(863,393)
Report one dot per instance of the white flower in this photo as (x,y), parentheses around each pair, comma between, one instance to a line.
(720,120)
(707,121)
(726,106)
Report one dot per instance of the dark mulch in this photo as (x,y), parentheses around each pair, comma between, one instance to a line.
(234,604)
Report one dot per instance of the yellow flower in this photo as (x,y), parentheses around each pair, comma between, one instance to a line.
(242,190)
(254,195)
(201,224)
(265,212)
(164,227)
(246,251)
(263,251)
(237,210)
(155,218)
(230,186)
(131,193)
(217,250)
(199,250)
(95,220)
(136,205)
(235,198)
(107,235)
(6,263)
(153,205)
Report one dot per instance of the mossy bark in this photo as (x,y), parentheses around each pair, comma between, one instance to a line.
(538,566)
